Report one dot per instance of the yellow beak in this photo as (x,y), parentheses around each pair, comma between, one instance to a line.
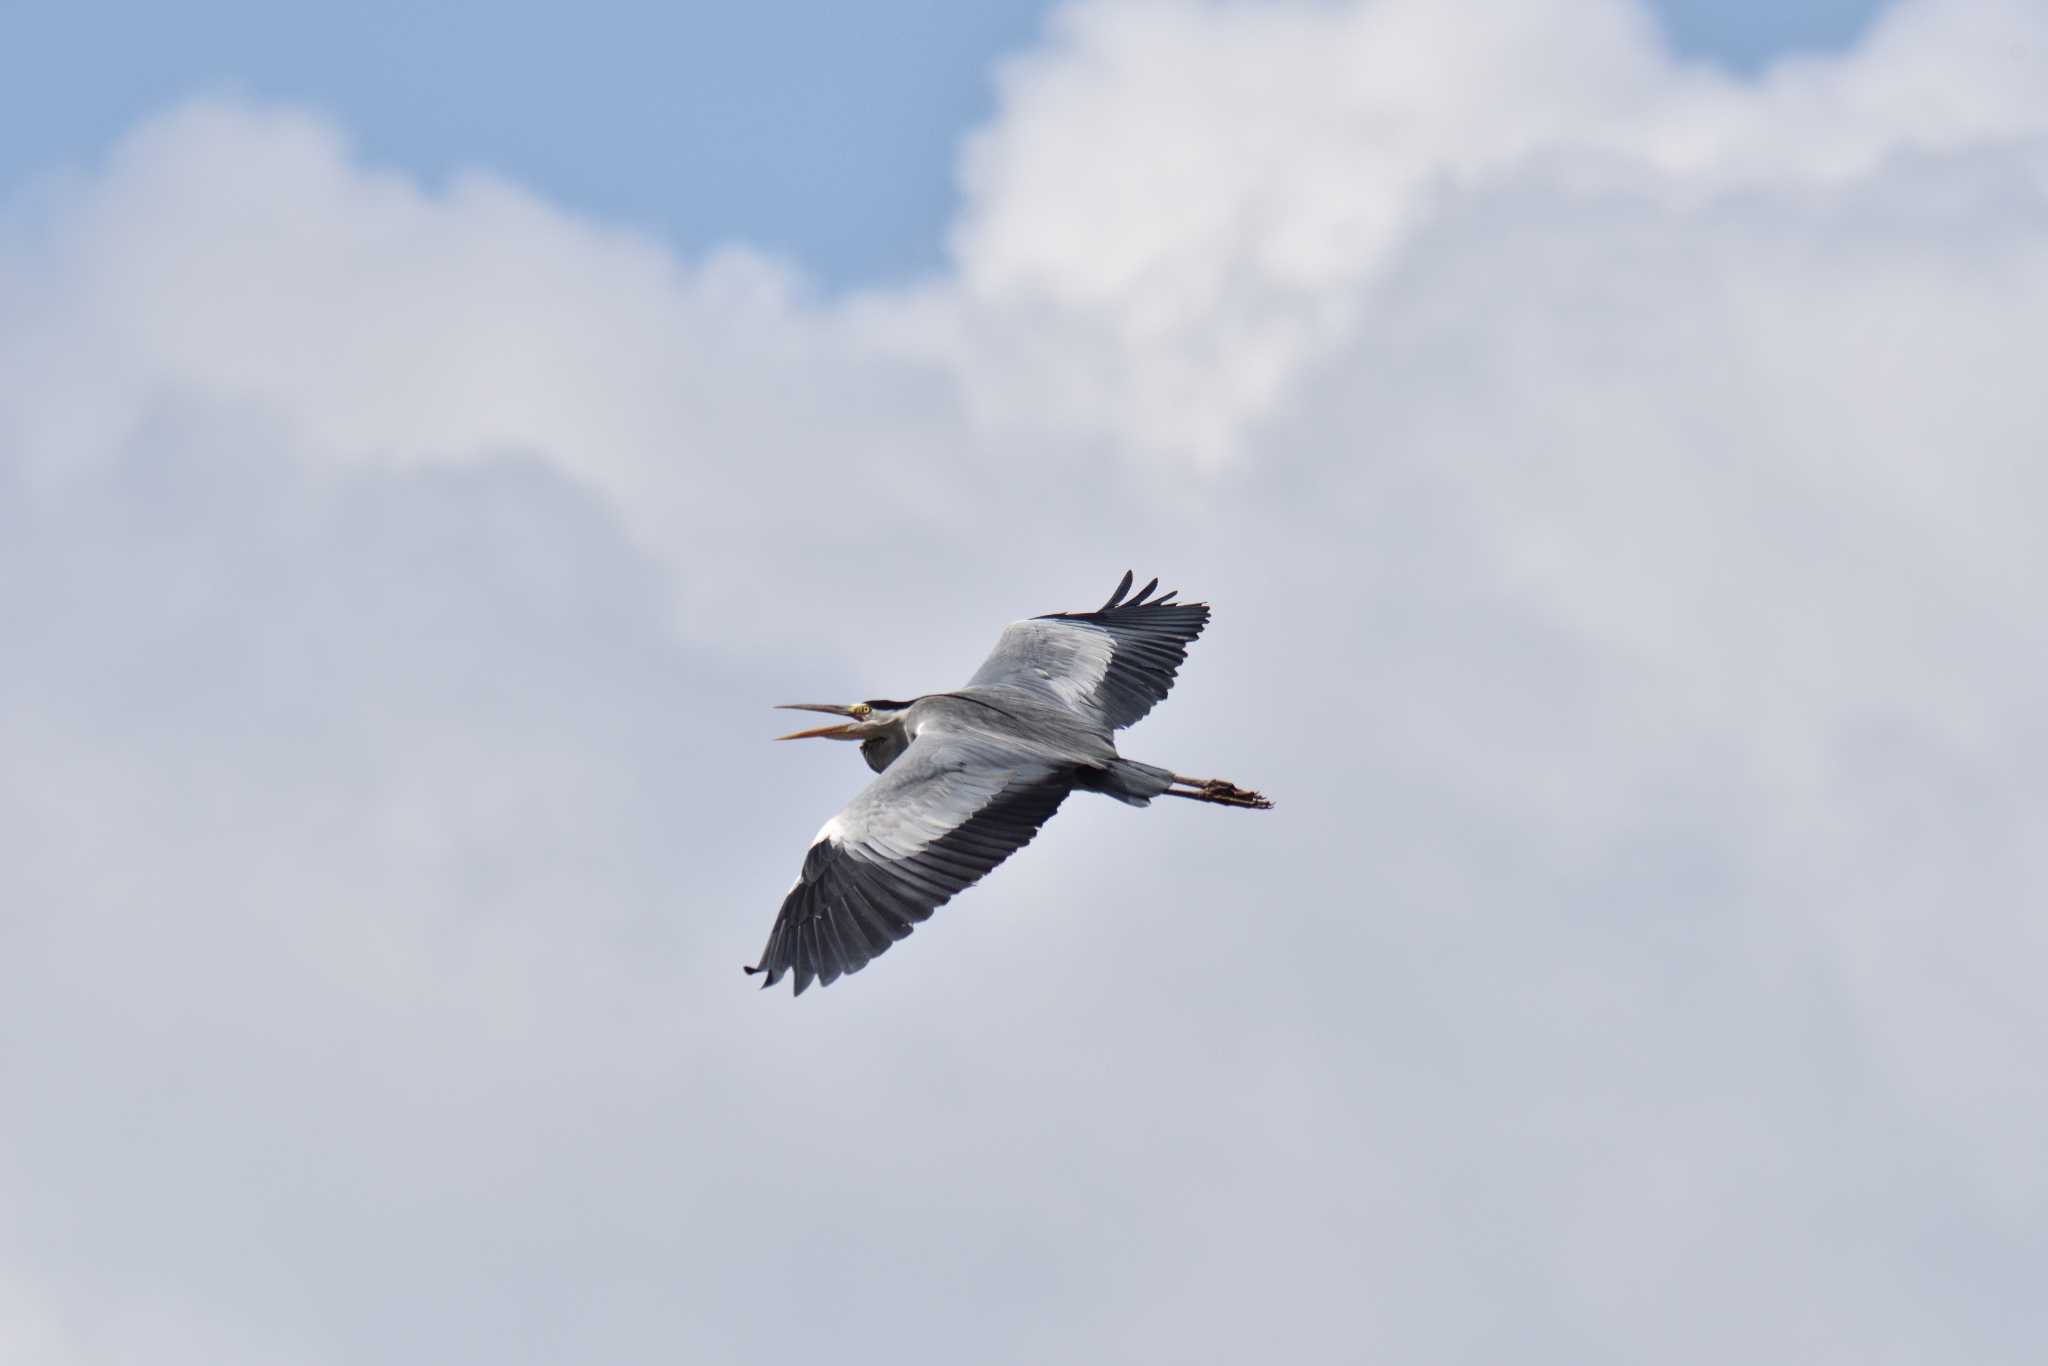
(825,732)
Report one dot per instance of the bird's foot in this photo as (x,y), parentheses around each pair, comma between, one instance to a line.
(1220,792)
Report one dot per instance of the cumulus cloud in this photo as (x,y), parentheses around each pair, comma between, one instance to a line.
(1615,482)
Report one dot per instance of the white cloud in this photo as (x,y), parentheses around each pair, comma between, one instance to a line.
(1185,204)
(1616,486)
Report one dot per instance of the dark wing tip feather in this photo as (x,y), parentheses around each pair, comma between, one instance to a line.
(1182,620)
(1121,589)
(1122,600)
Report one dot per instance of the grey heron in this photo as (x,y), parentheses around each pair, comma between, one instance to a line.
(968,776)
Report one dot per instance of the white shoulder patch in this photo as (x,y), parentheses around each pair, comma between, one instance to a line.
(831,830)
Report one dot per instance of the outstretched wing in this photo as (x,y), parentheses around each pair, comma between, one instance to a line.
(1113,664)
(951,808)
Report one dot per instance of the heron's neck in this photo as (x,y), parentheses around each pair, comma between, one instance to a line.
(890,738)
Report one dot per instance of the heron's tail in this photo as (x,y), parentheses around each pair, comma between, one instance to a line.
(1131,782)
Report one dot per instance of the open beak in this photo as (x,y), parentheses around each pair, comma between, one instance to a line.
(827,732)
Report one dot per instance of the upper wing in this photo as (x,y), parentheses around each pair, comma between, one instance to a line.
(951,808)
(1114,663)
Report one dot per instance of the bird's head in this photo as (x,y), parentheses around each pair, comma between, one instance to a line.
(869,718)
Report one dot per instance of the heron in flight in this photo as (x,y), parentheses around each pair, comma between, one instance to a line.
(968,776)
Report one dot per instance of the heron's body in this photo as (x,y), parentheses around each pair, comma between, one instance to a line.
(968,776)
(1016,719)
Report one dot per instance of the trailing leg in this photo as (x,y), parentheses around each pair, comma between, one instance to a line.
(1218,791)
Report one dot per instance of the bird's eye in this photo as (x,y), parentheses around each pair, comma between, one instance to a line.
(861,709)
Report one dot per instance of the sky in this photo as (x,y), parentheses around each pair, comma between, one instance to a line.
(822,132)
(1613,462)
